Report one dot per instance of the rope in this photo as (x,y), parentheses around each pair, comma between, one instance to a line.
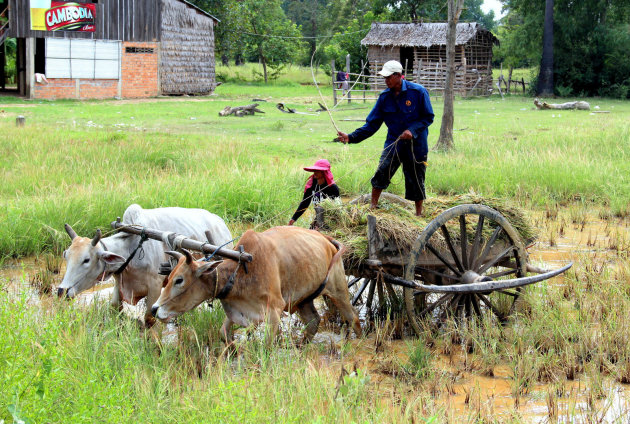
(320,92)
(143,238)
(207,259)
(350,89)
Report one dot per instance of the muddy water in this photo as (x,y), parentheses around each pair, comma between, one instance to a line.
(467,395)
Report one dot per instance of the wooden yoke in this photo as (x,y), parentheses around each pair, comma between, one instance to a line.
(186,243)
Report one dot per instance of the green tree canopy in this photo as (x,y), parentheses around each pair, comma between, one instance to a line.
(590,38)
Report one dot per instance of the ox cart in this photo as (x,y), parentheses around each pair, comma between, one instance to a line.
(468,262)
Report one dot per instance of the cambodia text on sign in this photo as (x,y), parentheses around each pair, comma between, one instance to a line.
(48,15)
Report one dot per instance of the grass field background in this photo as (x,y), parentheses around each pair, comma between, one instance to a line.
(85,162)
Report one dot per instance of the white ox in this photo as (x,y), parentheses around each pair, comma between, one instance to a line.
(89,261)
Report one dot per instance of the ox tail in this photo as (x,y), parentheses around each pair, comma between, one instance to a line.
(336,257)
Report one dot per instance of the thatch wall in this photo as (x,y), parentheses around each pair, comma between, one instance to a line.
(187,50)
(473,54)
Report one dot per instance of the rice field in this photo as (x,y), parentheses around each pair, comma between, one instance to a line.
(564,356)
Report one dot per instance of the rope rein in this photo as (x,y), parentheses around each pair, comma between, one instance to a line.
(143,238)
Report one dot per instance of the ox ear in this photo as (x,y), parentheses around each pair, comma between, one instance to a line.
(111,258)
(207,268)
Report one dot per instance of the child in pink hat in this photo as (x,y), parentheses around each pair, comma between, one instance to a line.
(319,186)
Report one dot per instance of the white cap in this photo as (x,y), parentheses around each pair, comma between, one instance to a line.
(391,67)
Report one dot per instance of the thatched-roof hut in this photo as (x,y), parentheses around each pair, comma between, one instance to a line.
(421,48)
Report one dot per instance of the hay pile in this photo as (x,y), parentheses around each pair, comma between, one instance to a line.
(397,224)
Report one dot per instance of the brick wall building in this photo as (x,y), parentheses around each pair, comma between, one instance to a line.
(142,49)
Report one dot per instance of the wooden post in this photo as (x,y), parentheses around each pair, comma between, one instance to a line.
(19,121)
(334,78)
(374,240)
(364,87)
(348,72)
(319,221)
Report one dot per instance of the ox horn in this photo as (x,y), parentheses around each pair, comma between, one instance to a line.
(189,258)
(174,254)
(70,231)
(97,237)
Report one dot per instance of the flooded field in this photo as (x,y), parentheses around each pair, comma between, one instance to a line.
(462,389)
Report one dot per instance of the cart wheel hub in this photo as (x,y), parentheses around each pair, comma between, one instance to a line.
(470,277)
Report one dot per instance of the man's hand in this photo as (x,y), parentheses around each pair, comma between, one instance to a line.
(406,135)
(291,221)
(343,137)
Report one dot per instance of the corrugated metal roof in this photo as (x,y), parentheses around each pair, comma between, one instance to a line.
(419,34)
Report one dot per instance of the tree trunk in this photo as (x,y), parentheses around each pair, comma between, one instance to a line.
(545,76)
(445,141)
(263,61)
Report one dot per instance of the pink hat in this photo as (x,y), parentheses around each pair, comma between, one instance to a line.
(320,165)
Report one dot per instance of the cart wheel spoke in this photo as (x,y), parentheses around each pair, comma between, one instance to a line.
(455,278)
(354,281)
(503,273)
(393,298)
(490,305)
(468,304)
(442,259)
(368,303)
(435,304)
(476,243)
(487,247)
(475,303)
(495,260)
(463,240)
(357,296)
(449,243)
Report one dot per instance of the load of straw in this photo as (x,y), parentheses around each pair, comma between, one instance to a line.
(397,224)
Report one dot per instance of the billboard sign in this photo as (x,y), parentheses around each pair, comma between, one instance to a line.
(49,15)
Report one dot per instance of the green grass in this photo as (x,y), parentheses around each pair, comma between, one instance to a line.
(84,162)
(527,74)
(65,364)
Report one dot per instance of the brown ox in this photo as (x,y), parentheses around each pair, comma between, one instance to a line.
(291,267)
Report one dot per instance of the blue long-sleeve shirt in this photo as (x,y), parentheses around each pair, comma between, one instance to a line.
(410,110)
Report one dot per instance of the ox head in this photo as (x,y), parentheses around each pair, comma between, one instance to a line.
(189,284)
(87,262)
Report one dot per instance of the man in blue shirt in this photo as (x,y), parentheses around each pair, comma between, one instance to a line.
(406,109)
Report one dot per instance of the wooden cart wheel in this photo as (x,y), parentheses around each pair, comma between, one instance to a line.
(492,249)
(373,298)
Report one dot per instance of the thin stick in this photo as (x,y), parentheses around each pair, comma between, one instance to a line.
(320,94)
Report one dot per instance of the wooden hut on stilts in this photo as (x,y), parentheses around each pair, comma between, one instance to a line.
(421,49)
